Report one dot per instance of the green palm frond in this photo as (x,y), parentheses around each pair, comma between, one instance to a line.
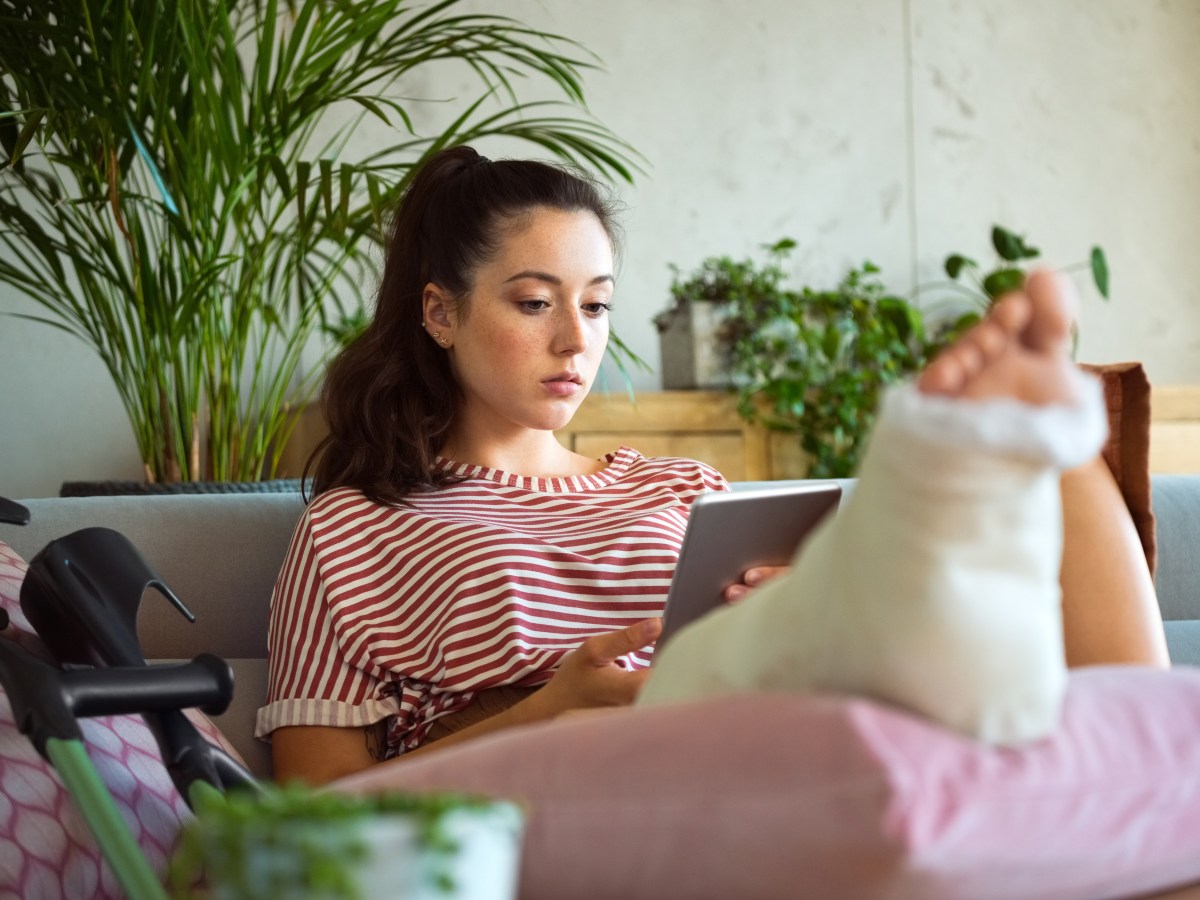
(176,192)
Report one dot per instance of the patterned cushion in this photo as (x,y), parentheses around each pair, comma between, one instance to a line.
(46,850)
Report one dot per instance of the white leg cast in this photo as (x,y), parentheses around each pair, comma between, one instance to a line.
(934,588)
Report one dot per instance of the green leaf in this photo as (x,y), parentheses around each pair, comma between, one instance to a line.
(1100,271)
(1003,281)
(28,130)
(957,262)
(1011,246)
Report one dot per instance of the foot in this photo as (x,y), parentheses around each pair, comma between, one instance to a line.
(1022,349)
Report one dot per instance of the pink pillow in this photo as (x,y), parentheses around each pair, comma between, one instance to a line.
(824,796)
(46,850)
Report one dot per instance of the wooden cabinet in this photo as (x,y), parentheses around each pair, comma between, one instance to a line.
(1175,429)
(702,425)
(705,425)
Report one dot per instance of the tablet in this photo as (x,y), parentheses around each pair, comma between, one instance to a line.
(729,532)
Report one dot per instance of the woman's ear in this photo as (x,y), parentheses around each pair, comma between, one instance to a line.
(436,318)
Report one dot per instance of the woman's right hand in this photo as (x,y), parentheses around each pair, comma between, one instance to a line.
(589,676)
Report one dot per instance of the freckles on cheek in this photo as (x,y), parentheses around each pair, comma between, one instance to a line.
(507,354)
(514,348)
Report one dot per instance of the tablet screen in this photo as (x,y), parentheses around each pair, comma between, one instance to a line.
(731,531)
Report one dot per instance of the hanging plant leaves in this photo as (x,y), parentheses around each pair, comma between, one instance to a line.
(957,262)
(1012,246)
(1003,281)
(1100,271)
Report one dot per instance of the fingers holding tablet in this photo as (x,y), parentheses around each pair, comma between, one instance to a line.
(751,579)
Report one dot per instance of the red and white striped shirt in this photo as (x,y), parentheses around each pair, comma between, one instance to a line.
(404,613)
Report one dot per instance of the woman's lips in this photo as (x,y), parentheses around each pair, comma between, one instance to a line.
(562,387)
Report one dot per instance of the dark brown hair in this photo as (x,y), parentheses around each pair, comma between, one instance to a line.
(390,396)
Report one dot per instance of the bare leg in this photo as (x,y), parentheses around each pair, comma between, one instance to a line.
(937,587)
(1110,611)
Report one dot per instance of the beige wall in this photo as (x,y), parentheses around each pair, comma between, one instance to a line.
(895,130)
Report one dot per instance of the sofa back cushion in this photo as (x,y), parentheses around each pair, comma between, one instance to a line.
(220,553)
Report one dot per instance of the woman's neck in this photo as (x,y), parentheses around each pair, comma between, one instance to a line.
(535,453)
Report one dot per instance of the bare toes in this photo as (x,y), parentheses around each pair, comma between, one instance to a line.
(1011,313)
(990,339)
(962,361)
(1053,305)
(942,376)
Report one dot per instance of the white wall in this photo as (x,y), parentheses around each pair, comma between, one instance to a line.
(895,130)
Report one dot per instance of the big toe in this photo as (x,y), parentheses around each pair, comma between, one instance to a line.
(1053,307)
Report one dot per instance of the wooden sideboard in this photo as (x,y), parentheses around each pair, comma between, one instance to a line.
(705,425)
(1175,429)
(702,425)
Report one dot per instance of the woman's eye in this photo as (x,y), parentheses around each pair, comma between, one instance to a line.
(534,305)
(597,309)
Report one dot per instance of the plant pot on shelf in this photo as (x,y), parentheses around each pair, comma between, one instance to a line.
(147,488)
(693,355)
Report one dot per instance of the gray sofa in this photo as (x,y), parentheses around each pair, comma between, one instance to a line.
(221,553)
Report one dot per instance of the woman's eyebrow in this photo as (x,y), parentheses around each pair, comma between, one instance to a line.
(554,279)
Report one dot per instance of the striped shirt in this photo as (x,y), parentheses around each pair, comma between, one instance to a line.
(405,613)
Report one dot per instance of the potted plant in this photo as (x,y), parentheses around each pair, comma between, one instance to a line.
(177,192)
(695,350)
(296,842)
(809,362)
(981,287)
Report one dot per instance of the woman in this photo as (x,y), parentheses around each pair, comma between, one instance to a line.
(458,571)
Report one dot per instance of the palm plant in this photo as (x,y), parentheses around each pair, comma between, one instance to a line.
(174,195)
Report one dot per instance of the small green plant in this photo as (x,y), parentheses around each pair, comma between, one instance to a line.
(810,362)
(296,842)
(1006,275)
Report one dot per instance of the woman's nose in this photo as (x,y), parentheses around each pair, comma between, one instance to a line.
(571,337)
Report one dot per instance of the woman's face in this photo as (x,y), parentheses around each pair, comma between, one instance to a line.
(527,345)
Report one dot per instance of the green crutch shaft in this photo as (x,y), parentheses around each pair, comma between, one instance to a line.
(87,790)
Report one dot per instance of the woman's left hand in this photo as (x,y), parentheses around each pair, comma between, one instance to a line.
(752,578)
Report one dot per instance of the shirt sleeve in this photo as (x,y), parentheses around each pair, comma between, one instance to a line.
(713,479)
(313,680)
(706,478)
(310,680)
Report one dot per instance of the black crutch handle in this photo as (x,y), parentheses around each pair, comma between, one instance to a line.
(47,701)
